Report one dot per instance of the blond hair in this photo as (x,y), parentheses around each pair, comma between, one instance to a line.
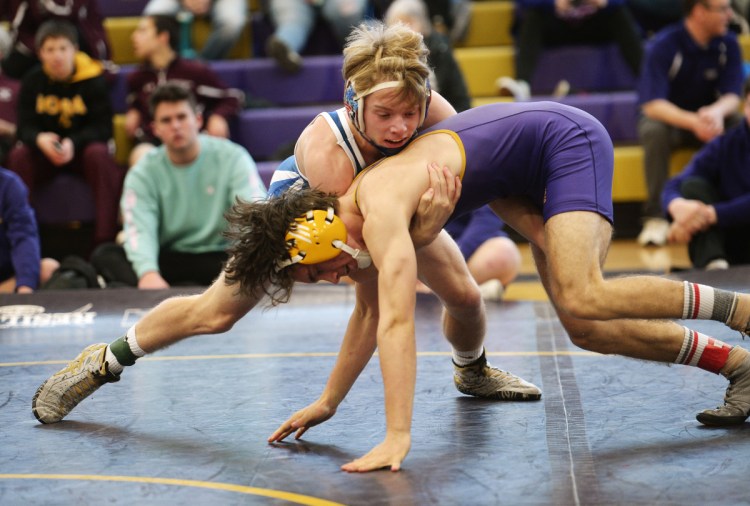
(375,53)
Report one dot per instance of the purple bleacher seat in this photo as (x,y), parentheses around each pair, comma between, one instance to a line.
(119,90)
(318,81)
(586,68)
(264,131)
(617,111)
(121,8)
(67,198)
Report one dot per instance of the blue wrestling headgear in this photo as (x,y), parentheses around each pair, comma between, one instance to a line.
(355,106)
(317,237)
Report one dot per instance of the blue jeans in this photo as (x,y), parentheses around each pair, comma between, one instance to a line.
(228,18)
(294,19)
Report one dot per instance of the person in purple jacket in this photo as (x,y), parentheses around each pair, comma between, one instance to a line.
(709,201)
(21,268)
(155,43)
(688,92)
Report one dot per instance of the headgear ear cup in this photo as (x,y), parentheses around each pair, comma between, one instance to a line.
(355,105)
(350,102)
(311,237)
(426,103)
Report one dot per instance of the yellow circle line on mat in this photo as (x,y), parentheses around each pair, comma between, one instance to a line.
(321,354)
(241,489)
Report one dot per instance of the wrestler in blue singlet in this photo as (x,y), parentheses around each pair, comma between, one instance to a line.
(287,175)
(558,156)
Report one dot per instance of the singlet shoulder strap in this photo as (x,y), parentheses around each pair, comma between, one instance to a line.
(345,138)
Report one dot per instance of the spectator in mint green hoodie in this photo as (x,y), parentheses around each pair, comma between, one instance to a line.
(174,200)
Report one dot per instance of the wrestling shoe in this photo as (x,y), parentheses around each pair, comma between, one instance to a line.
(65,389)
(736,406)
(482,380)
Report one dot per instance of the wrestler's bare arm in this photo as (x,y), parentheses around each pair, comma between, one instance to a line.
(439,110)
(322,161)
(388,206)
(355,352)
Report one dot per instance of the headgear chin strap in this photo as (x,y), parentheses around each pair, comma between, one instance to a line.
(319,236)
(355,106)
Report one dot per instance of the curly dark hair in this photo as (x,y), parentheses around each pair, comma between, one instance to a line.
(257,231)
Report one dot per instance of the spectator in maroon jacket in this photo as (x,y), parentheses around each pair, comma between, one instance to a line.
(156,42)
(28,16)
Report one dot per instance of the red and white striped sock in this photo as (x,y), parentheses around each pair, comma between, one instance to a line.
(702,351)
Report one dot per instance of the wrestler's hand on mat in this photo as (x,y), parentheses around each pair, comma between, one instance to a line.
(310,416)
(435,206)
(388,454)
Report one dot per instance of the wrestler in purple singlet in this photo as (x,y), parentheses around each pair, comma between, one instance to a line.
(558,156)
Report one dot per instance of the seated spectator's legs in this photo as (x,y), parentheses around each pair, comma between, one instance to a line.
(228,18)
(105,178)
(293,21)
(31,165)
(709,245)
(619,26)
(191,268)
(659,140)
(342,15)
(738,245)
(529,43)
(111,262)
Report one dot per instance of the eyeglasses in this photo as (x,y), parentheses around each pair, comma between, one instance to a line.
(717,8)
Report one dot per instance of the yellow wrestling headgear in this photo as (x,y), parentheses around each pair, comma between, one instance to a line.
(319,236)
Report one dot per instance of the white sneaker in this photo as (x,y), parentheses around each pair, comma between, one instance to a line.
(518,89)
(654,232)
(492,290)
(717,264)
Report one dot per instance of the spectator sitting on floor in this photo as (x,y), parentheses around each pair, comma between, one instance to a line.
(492,257)
(555,23)
(709,202)
(65,124)
(174,201)
(22,270)
(449,80)
(228,18)
(688,92)
(28,16)
(155,42)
